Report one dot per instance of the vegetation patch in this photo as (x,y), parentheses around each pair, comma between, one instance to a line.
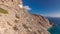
(3,11)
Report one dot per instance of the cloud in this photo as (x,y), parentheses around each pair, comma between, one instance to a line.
(20,6)
(27,7)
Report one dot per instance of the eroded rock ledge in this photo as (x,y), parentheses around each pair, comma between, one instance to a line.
(14,19)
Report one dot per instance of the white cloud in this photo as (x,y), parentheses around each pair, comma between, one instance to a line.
(27,7)
(21,6)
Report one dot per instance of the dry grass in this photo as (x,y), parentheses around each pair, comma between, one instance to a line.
(3,11)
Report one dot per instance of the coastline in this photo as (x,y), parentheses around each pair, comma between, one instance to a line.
(54,30)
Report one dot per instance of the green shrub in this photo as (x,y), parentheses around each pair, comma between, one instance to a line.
(3,11)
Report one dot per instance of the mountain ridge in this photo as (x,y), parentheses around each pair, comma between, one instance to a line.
(19,21)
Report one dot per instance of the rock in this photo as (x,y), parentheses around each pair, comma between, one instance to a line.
(14,19)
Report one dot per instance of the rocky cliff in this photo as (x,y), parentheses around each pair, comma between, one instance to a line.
(14,19)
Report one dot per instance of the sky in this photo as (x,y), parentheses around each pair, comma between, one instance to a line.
(48,8)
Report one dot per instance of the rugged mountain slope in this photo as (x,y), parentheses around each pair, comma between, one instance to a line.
(14,19)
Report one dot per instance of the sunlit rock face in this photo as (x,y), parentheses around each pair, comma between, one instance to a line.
(14,19)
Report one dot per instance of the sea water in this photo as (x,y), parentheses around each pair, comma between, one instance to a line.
(56,28)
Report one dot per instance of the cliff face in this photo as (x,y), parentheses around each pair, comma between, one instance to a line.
(14,19)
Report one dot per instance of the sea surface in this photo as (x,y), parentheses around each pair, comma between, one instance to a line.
(56,28)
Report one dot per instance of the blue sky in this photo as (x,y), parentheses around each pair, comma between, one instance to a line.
(43,7)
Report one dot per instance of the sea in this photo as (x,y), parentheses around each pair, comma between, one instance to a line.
(56,28)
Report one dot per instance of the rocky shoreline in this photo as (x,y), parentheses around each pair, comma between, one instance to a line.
(18,21)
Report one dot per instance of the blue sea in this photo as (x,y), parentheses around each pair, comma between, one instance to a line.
(56,28)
